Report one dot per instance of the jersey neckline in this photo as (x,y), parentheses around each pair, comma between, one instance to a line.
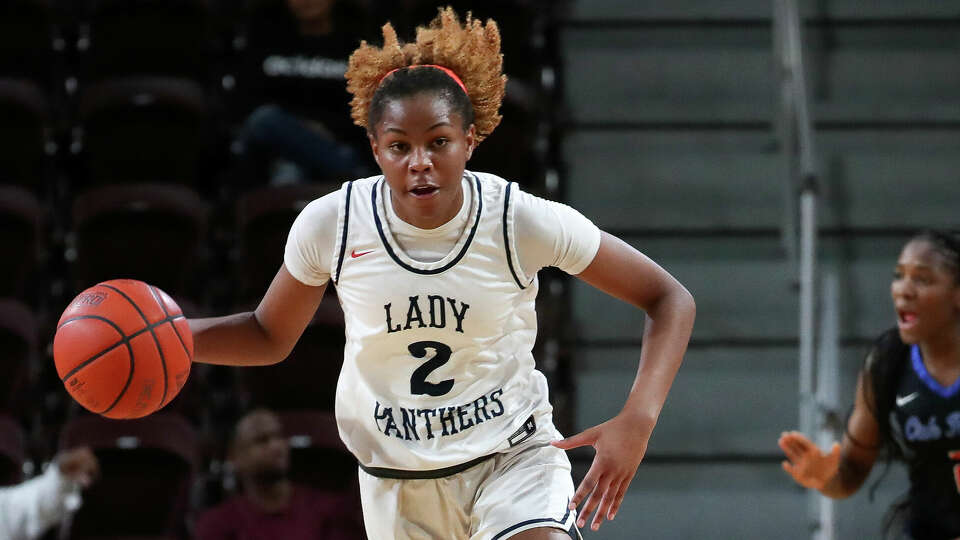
(393,249)
(920,369)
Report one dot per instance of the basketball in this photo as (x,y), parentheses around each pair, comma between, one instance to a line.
(123,349)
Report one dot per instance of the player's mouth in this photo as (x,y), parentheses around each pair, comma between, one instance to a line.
(424,191)
(906,320)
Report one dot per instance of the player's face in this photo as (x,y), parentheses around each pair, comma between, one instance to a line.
(925,293)
(309,10)
(422,147)
(261,450)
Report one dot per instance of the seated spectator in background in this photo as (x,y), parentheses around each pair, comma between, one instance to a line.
(270,505)
(292,79)
(28,509)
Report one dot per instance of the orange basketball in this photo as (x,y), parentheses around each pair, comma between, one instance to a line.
(123,349)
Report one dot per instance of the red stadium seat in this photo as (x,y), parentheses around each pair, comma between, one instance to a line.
(18,341)
(147,129)
(21,221)
(165,37)
(318,456)
(263,218)
(12,451)
(27,35)
(23,134)
(307,379)
(151,232)
(147,470)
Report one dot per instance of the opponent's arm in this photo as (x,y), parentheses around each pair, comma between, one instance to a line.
(623,272)
(261,337)
(841,472)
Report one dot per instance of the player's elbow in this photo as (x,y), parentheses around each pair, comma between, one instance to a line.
(273,347)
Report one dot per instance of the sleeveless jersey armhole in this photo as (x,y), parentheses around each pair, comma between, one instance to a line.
(509,237)
(343,222)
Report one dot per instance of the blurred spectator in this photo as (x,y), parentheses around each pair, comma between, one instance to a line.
(298,124)
(28,509)
(269,504)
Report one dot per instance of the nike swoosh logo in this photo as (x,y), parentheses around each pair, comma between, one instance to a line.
(354,254)
(903,400)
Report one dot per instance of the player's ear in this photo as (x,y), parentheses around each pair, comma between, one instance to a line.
(471,140)
(373,146)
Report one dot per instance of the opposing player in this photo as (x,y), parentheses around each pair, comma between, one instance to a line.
(435,268)
(907,404)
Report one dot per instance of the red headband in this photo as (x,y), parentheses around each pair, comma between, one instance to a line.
(446,70)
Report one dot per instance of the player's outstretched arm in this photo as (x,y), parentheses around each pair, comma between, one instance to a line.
(261,337)
(623,272)
(840,472)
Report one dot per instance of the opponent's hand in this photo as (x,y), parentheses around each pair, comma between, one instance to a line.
(79,465)
(620,443)
(808,466)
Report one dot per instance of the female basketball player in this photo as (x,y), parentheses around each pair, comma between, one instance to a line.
(908,397)
(435,268)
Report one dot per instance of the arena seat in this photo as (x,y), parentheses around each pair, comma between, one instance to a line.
(147,469)
(143,129)
(317,455)
(308,377)
(12,451)
(18,341)
(165,37)
(23,133)
(151,232)
(27,34)
(21,222)
(263,219)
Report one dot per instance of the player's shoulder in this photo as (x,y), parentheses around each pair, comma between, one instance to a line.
(489,182)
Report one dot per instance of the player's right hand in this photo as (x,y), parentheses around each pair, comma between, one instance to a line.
(809,467)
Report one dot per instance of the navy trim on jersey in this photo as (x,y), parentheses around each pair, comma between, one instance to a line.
(432,474)
(572,531)
(921,370)
(405,266)
(343,239)
(506,237)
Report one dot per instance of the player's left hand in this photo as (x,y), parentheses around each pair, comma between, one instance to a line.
(620,443)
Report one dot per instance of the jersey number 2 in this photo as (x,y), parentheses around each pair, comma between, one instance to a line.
(418,381)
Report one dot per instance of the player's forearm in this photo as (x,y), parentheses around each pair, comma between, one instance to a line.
(666,334)
(847,480)
(234,340)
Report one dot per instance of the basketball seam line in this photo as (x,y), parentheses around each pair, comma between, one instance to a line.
(163,360)
(177,331)
(123,340)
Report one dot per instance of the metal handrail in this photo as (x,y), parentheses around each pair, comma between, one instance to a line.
(800,241)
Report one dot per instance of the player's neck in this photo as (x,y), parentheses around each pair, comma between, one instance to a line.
(941,356)
(316,27)
(270,497)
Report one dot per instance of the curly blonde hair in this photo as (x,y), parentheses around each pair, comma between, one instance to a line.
(471,50)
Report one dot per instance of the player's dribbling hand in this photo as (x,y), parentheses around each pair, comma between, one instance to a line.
(808,466)
(620,443)
(79,465)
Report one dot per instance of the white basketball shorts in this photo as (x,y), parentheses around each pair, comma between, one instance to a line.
(526,487)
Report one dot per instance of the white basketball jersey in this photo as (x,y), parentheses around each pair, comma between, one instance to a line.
(437,368)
